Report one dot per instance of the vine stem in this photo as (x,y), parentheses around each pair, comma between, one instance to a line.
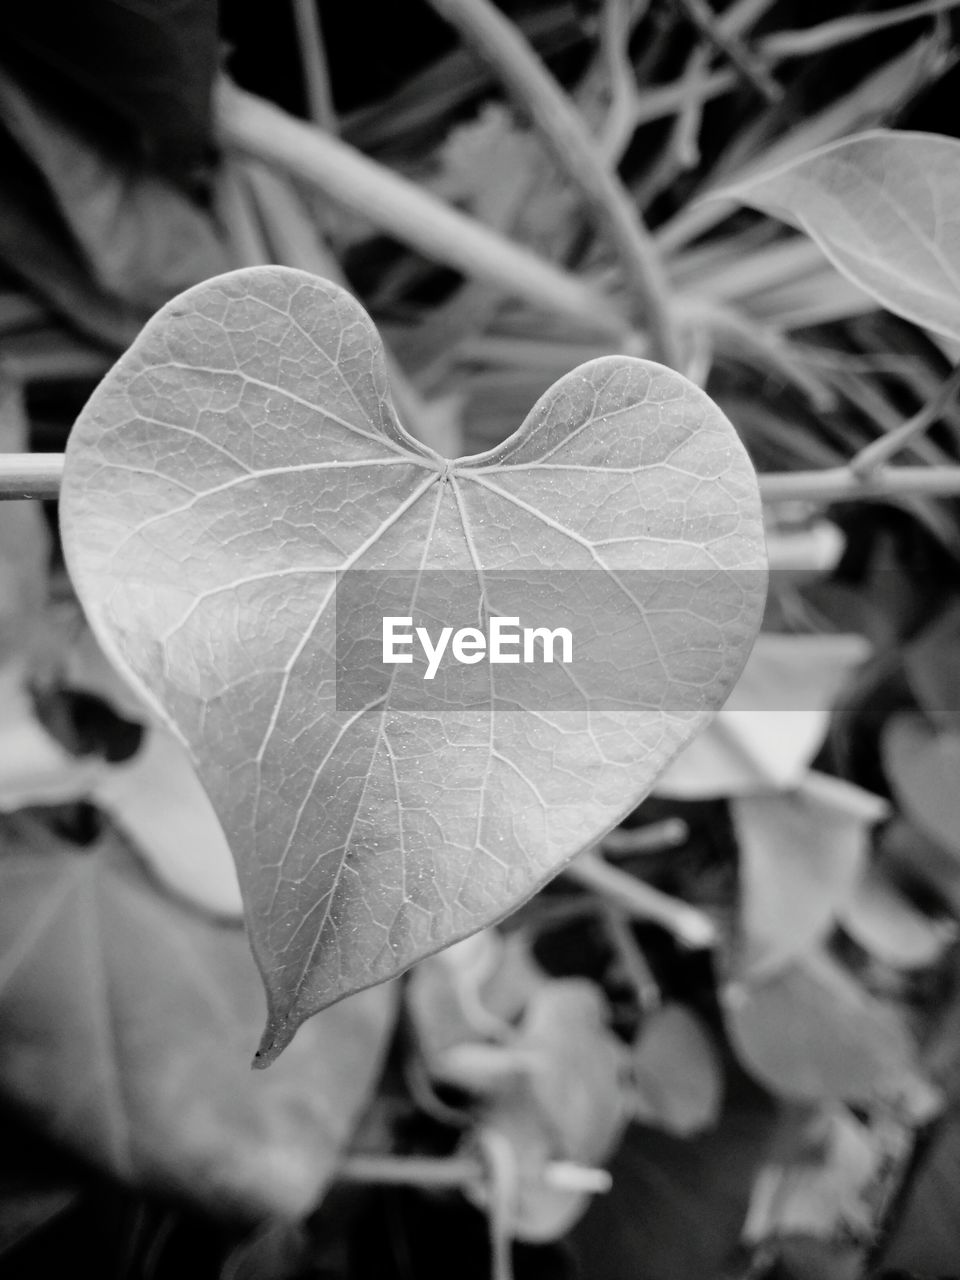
(640,901)
(579,155)
(404,209)
(30,475)
(461,1171)
(38,475)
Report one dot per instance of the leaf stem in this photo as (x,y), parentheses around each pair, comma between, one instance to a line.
(641,901)
(30,475)
(872,456)
(38,475)
(578,155)
(386,200)
(461,1171)
(840,484)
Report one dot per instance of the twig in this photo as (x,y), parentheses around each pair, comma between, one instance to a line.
(750,68)
(641,901)
(461,1171)
(384,199)
(828,35)
(30,475)
(578,155)
(872,456)
(616,21)
(316,73)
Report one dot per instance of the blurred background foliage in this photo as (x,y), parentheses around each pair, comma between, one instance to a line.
(796,1120)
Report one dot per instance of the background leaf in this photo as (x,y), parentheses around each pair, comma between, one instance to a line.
(125,1019)
(801,856)
(812,1033)
(883,206)
(366,838)
(677,1081)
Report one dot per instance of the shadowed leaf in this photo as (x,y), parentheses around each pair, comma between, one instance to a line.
(125,1017)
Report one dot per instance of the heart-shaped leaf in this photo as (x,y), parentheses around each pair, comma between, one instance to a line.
(241,509)
(883,207)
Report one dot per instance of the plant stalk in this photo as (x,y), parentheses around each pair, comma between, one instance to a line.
(30,475)
(257,128)
(579,156)
(38,475)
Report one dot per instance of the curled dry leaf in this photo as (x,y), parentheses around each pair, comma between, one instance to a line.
(230,471)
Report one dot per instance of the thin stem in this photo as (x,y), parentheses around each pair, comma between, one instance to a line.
(38,475)
(622,842)
(462,1171)
(316,73)
(30,475)
(632,960)
(750,68)
(641,901)
(578,155)
(872,456)
(371,191)
(840,484)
